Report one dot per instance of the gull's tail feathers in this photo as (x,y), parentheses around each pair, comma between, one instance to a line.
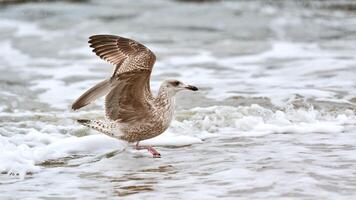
(99,90)
(108,128)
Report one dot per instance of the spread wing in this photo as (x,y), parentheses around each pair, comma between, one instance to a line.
(128,56)
(124,53)
(127,102)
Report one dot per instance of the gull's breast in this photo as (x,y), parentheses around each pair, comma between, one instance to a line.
(150,127)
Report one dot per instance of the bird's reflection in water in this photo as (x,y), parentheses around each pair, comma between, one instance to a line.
(133,189)
(142,181)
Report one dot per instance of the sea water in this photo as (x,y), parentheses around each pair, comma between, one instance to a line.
(274,117)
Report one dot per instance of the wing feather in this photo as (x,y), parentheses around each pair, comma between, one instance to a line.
(127,102)
(116,49)
(128,90)
(99,90)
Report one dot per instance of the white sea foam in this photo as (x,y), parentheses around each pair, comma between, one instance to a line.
(22,158)
(258,119)
(172,139)
(21,153)
(23,28)
(10,53)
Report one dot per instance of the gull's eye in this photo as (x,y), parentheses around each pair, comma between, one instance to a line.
(175,83)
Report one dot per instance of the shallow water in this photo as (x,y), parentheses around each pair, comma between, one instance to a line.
(274,118)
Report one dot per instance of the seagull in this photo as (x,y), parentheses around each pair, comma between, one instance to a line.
(132,112)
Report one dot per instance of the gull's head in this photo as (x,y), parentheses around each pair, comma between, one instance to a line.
(174,86)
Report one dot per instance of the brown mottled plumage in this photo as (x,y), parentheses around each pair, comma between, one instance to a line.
(132,113)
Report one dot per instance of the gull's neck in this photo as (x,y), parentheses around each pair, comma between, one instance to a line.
(165,98)
(164,106)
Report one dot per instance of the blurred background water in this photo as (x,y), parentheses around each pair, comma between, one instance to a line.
(274,119)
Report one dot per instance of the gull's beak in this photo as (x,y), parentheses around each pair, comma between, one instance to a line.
(190,87)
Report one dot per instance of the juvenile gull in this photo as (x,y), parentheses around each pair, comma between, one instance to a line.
(132,112)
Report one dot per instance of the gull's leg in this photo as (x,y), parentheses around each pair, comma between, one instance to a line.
(153,151)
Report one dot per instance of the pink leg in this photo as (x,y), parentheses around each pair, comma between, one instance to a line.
(153,151)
